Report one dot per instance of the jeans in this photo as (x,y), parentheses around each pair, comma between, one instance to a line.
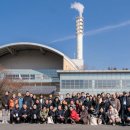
(5,115)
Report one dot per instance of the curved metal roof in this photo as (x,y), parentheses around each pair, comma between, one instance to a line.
(6,48)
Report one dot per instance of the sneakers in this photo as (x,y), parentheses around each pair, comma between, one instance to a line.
(4,122)
(113,124)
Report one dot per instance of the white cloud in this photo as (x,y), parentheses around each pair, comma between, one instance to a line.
(107,28)
(94,32)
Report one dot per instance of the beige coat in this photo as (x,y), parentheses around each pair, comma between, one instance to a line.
(116,104)
(112,113)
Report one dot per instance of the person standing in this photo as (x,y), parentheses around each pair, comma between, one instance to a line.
(5,107)
(20,100)
(41,101)
(128,100)
(28,100)
(124,102)
(115,102)
(12,103)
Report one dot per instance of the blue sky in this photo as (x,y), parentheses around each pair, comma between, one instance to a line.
(44,21)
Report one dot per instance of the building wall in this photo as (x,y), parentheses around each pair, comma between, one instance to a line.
(67,65)
(94,82)
(32,80)
(32,59)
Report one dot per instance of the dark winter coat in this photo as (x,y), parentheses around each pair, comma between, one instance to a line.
(35,114)
(60,113)
(24,112)
(28,101)
(5,102)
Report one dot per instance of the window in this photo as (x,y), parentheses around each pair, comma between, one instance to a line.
(126,84)
(76,84)
(107,84)
(25,76)
(12,76)
(32,76)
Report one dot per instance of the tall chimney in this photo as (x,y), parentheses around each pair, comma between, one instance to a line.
(79,34)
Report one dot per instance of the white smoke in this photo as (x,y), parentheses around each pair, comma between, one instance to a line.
(79,7)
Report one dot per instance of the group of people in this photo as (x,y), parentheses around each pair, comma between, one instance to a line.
(82,108)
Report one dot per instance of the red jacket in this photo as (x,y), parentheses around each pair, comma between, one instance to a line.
(74,115)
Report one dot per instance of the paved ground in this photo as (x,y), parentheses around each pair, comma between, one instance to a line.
(59,127)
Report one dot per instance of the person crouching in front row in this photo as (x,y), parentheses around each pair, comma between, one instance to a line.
(44,114)
(84,115)
(25,114)
(102,117)
(51,115)
(35,114)
(15,115)
(74,116)
(60,115)
(127,116)
(93,116)
(113,115)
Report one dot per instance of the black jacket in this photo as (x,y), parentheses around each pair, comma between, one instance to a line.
(68,100)
(15,112)
(60,113)
(35,114)
(102,115)
(127,114)
(128,101)
(66,113)
(51,113)
(24,112)
(5,102)
(56,104)
(93,113)
(87,103)
(105,105)
(28,101)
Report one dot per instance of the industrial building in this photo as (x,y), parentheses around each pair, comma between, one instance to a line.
(35,64)
(94,81)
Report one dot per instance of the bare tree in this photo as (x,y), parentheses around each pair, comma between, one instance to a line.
(7,83)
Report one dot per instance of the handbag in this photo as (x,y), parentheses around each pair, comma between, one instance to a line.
(93,121)
(50,120)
